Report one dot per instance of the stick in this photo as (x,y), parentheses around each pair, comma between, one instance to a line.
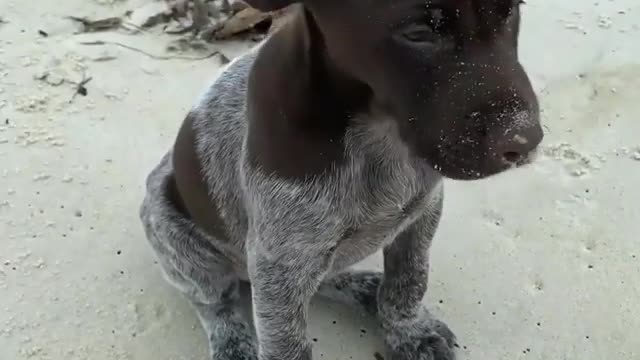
(80,87)
(153,56)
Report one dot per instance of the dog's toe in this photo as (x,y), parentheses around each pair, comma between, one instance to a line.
(436,347)
(428,339)
(445,332)
(235,346)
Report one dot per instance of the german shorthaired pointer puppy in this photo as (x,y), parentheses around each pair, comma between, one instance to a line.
(326,143)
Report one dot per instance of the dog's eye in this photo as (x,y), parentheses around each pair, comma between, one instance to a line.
(418,33)
(427,29)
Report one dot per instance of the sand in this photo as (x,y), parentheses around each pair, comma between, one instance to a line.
(540,263)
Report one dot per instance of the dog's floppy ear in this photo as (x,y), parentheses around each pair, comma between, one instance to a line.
(270,5)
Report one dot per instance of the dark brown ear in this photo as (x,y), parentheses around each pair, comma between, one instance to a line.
(270,5)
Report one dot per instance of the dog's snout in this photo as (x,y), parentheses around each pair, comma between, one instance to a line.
(510,135)
(517,148)
(516,137)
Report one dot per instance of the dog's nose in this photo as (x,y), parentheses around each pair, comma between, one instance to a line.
(516,147)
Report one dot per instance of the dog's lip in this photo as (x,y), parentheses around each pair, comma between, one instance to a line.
(463,173)
(531,157)
(443,166)
(472,174)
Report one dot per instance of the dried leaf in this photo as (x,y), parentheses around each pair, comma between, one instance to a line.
(179,27)
(105,24)
(150,14)
(240,22)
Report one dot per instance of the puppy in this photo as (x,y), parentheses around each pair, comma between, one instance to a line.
(326,143)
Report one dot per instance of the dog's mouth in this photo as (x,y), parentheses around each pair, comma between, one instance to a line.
(460,173)
(468,169)
(459,168)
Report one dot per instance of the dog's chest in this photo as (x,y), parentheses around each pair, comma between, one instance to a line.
(379,224)
(378,209)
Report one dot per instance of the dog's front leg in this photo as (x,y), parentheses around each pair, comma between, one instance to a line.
(285,273)
(411,333)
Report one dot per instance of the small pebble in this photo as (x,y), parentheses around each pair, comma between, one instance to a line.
(41,177)
(604,22)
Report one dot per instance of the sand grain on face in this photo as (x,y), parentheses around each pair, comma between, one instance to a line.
(541,263)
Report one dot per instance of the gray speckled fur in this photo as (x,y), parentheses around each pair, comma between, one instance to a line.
(295,239)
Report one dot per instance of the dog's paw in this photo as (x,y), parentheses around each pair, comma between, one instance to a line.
(234,345)
(423,339)
(234,349)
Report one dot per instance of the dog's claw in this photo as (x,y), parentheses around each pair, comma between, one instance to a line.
(428,339)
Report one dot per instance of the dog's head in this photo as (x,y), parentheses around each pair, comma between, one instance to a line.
(446,70)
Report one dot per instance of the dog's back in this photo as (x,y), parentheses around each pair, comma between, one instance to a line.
(219,125)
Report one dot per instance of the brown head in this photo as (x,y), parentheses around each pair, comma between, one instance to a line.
(446,70)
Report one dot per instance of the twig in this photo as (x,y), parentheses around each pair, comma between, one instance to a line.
(153,56)
(112,23)
(200,15)
(80,87)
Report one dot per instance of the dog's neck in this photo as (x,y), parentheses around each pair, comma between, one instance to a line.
(299,104)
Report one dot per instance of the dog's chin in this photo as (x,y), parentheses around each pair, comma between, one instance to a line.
(466,174)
